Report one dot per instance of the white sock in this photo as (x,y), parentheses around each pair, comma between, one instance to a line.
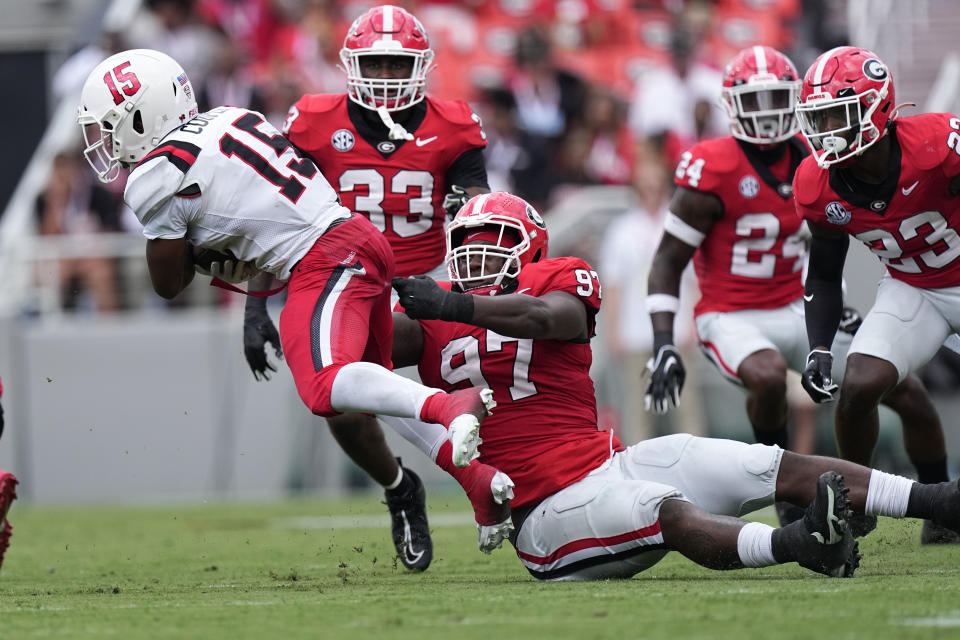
(755,545)
(887,494)
(369,388)
(395,483)
(426,436)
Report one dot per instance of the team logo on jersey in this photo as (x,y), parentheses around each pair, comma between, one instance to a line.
(878,205)
(837,213)
(874,69)
(535,217)
(342,140)
(749,187)
(386,147)
(785,189)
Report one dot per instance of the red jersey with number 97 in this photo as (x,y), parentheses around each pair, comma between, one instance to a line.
(399,187)
(543,432)
(752,257)
(910,221)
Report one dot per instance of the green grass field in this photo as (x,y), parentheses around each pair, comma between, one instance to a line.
(326,569)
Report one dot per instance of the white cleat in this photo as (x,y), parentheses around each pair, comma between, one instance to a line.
(464,432)
(492,535)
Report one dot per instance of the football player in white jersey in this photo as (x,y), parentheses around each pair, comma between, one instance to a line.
(226,183)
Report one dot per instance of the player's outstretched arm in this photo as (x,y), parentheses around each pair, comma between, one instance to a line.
(170,262)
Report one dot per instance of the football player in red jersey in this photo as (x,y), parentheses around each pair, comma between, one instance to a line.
(584,506)
(891,183)
(8,493)
(733,214)
(399,158)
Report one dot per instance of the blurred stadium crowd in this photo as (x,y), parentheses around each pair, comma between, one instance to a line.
(572,92)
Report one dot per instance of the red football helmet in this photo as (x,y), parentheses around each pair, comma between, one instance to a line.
(760,87)
(846,104)
(513,230)
(392,31)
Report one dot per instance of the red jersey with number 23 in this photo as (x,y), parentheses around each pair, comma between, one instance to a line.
(400,191)
(543,432)
(752,257)
(913,224)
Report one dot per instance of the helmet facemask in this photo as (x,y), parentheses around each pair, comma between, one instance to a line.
(840,128)
(394,94)
(467,263)
(761,111)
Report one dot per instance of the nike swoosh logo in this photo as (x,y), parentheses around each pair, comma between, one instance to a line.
(808,298)
(409,553)
(908,191)
(833,523)
(523,290)
(420,142)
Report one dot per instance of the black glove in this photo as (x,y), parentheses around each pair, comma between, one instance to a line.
(258,330)
(816,378)
(453,201)
(423,299)
(850,321)
(667,376)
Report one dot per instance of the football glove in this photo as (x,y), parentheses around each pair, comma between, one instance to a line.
(453,201)
(667,376)
(423,299)
(816,378)
(850,321)
(258,330)
(233,271)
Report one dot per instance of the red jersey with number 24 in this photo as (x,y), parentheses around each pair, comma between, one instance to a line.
(915,232)
(400,191)
(752,257)
(543,432)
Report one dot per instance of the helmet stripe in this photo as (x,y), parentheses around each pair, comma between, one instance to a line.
(818,73)
(761,57)
(478,205)
(388,22)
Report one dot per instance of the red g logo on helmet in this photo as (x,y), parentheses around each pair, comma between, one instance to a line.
(846,104)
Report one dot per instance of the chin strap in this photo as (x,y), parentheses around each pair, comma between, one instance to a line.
(397,132)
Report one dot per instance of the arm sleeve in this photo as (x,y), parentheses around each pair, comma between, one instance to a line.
(468,170)
(823,294)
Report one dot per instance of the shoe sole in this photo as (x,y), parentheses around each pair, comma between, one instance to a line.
(464,434)
(840,511)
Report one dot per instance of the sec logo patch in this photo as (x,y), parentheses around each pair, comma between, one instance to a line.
(749,187)
(342,140)
(837,213)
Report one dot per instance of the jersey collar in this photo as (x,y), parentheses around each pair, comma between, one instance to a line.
(376,134)
(873,197)
(761,159)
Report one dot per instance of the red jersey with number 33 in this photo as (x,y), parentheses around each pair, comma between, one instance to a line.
(401,188)
(752,257)
(911,221)
(543,432)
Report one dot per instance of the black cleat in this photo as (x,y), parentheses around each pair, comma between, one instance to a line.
(934,533)
(408,522)
(787,512)
(828,546)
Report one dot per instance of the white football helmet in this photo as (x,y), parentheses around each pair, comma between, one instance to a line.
(129,102)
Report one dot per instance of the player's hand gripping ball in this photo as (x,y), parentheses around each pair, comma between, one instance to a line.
(223,265)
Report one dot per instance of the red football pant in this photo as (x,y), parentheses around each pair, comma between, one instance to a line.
(338,309)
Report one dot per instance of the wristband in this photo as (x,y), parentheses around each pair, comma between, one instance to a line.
(457,307)
(682,231)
